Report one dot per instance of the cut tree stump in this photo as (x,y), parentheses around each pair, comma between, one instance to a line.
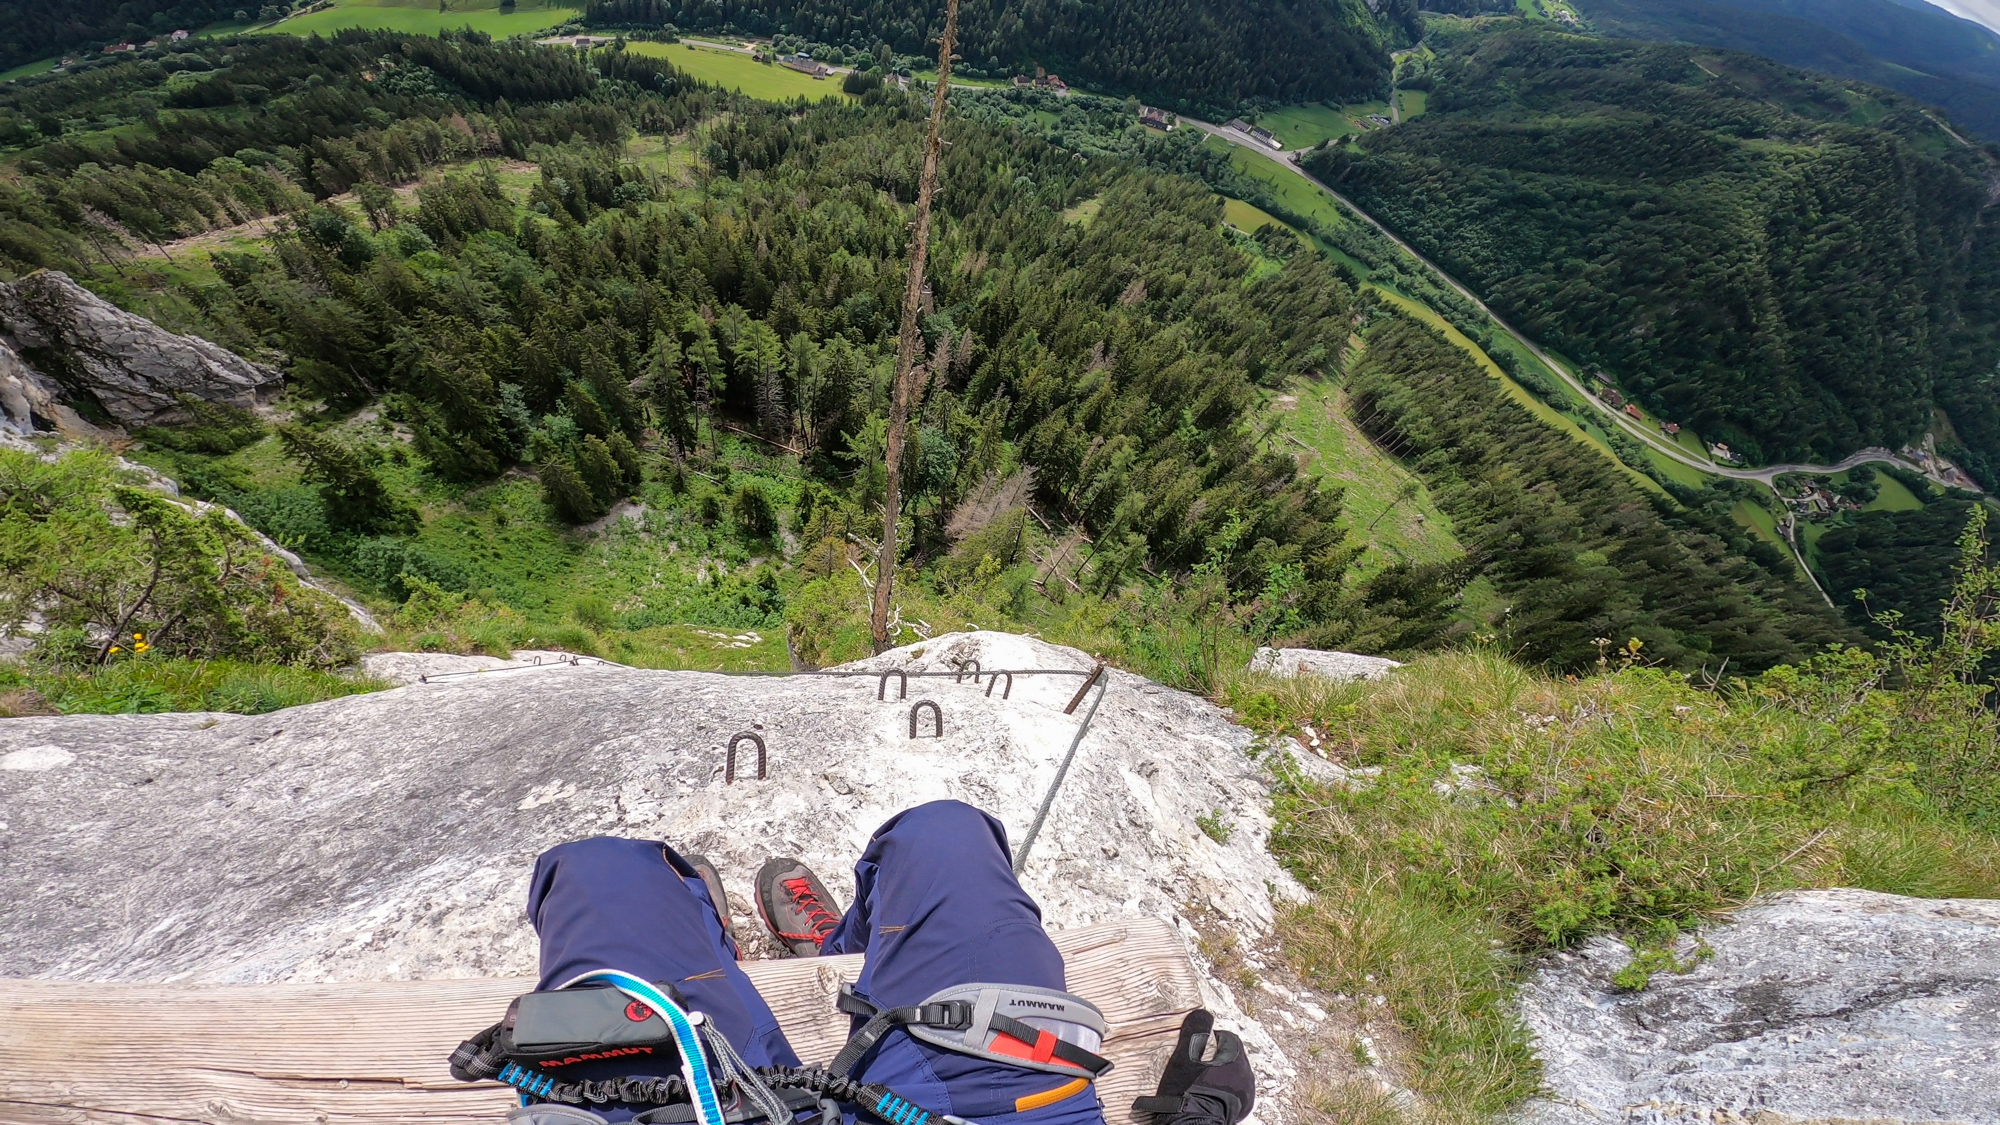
(371,1052)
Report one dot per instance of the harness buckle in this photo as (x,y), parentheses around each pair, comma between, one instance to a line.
(948,1015)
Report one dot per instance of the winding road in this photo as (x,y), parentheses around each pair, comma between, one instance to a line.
(1766,475)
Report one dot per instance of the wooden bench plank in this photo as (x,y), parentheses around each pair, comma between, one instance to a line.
(372,1052)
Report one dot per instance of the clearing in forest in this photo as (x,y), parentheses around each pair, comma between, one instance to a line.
(525,17)
(732,70)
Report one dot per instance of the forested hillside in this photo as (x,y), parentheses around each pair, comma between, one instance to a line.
(209,135)
(1797,266)
(689,298)
(1913,48)
(1184,53)
(1579,550)
(35,29)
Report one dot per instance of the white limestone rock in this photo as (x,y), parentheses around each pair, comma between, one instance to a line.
(1291,662)
(91,349)
(1833,1005)
(390,836)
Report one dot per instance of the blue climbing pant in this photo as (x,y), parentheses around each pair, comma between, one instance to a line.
(936,905)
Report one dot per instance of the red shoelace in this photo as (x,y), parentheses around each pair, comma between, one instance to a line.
(819,919)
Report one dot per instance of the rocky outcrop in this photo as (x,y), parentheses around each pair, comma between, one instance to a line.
(1326,664)
(60,340)
(390,836)
(1815,1006)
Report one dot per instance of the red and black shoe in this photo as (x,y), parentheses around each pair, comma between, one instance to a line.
(796,907)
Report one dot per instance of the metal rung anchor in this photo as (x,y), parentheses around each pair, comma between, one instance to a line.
(994,678)
(902,684)
(917,708)
(959,675)
(763,761)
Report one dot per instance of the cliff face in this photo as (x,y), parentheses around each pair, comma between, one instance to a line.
(66,352)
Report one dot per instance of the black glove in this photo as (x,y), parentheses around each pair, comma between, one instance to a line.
(1220,1091)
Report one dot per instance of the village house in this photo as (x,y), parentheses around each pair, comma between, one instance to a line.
(1153,117)
(805,64)
(1613,397)
(1670,428)
(1633,411)
(1042,80)
(1722,452)
(1265,136)
(178,35)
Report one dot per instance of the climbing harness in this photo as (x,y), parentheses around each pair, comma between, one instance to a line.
(1035,1028)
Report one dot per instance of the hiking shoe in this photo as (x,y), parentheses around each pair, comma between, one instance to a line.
(796,906)
(712,879)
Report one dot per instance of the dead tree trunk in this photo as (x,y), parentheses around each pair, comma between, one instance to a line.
(908,384)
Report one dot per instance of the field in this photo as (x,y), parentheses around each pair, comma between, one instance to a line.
(1293,192)
(529,17)
(1387,505)
(1412,103)
(1894,496)
(739,72)
(27,69)
(1248,217)
(1303,126)
(1759,519)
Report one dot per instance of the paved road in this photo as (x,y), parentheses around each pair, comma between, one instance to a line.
(1642,432)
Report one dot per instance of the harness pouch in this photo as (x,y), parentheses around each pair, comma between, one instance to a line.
(550,1030)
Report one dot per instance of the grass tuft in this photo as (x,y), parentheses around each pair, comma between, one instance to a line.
(147,686)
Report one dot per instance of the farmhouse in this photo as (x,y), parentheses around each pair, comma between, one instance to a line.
(1264,136)
(1153,117)
(1670,428)
(1042,80)
(805,64)
(1633,411)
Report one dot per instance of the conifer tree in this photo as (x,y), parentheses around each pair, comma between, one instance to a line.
(630,474)
(565,491)
(355,497)
(667,393)
(599,471)
(584,409)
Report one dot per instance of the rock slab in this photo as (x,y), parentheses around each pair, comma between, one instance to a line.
(1816,1006)
(1324,663)
(390,836)
(131,368)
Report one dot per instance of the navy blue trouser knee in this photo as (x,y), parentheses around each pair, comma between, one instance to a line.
(936,904)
